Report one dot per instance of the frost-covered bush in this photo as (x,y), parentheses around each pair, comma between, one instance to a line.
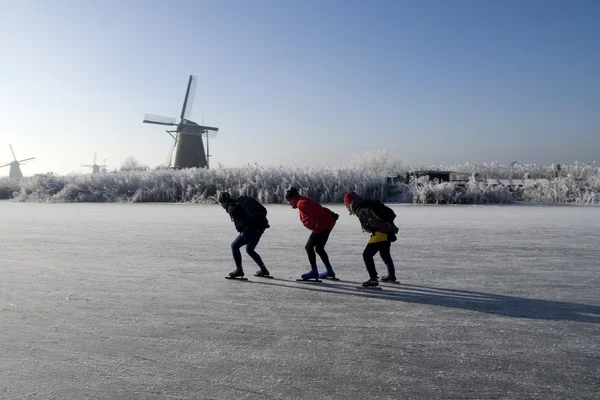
(473,192)
(577,183)
(580,171)
(8,187)
(327,184)
(560,190)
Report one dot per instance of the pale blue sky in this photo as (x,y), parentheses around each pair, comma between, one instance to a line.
(302,82)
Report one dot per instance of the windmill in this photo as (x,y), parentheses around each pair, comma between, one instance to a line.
(95,167)
(188,146)
(15,166)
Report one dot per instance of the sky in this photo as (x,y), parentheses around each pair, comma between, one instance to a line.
(301,82)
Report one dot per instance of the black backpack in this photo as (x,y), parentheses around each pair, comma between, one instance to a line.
(253,209)
(382,212)
(385,213)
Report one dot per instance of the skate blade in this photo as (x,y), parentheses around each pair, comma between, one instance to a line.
(309,280)
(331,279)
(236,279)
(263,276)
(369,288)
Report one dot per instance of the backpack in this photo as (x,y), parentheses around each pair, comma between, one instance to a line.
(253,209)
(383,212)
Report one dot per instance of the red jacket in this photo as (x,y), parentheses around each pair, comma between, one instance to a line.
(314,216)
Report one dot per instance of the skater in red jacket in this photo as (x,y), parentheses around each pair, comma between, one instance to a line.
(320,221)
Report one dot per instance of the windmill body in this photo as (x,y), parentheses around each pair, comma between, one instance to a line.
(96,169)
(15,166)
(188,147)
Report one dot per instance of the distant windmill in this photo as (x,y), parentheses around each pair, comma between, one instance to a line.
(95,167)
(15,166)
(188,146)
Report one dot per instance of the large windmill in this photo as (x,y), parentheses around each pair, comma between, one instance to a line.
(95,167)
(15,166)
(189,146)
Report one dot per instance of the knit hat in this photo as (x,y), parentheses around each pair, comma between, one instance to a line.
(224,197)
(349,197)
(291,192)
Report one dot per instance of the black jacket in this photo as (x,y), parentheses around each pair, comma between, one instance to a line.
(241,220)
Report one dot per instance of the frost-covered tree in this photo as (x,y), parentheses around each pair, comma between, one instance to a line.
(377,162)
(131,164)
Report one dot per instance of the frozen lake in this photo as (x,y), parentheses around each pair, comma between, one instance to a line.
(128,301)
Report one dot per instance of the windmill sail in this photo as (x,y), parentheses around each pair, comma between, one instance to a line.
(159,120)
(190,95)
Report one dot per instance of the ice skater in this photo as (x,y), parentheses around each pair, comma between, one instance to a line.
(320,220)
(250,220)
(376,219)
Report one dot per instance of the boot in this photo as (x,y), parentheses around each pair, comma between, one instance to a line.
(389,278)
(370,283)
(262,272)
(329,274)
(312,274)
(237,273)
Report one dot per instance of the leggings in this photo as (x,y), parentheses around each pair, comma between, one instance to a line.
(316,244)
(384,251)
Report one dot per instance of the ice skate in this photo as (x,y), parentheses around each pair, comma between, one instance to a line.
(389,279)
(311,276)
(263,273)
(371,284)
(329,274)
(237,274)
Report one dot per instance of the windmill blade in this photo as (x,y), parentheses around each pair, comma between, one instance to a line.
(5,165)
(190,94)
(94,158)
(13,152)
(170,158)
(87,166)
(159,120)
(27,159)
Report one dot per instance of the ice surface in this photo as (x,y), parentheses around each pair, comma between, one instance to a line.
(128,301)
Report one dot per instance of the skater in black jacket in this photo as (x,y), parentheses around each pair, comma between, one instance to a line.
(376,219)
(250,226)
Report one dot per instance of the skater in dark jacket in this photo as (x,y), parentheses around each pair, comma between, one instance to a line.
(250,231)
(382,235)
(320,221)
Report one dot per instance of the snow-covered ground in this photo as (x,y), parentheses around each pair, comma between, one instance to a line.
(128,301)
